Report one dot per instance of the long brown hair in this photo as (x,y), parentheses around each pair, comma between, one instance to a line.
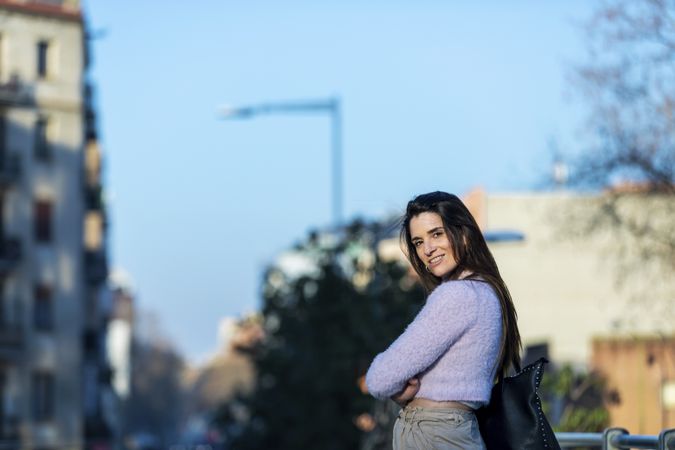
(472,254)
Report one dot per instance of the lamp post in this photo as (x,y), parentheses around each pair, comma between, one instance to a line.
(330,106)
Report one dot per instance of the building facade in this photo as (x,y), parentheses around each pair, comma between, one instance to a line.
(640,376)
(571,286)
(53,370)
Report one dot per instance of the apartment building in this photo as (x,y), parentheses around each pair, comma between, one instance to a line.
(53,370)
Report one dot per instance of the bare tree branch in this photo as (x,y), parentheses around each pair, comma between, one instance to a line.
(628,85)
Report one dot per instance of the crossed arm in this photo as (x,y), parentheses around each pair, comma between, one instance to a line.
(447,314)
(408,392)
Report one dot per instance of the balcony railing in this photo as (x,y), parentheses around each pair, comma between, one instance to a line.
(10,169)
(11,334)
(9,429)
(15,92)
(90,123)
(95,266)
(11,340)
(618,438)
(93,199)
(10,254)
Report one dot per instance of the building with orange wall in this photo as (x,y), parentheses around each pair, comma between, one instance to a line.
(640,374)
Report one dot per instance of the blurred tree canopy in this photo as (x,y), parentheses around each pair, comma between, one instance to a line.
(323,326)
(628,84)
(575,400)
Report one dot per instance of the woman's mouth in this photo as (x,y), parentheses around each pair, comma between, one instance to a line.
(435,260)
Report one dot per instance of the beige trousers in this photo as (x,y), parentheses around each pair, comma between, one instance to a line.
(436,429)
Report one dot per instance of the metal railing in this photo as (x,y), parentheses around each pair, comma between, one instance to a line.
(618,438)
(610,439)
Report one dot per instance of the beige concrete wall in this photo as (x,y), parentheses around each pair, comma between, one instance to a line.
(566,288)
(60,180)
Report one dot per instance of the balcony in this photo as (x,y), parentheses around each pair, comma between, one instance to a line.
(10,254)
(11,341)
(9,431)
(11,330)
(10,170)
(90,122)
(95,266)
(16,93)
(91,343)
(93,199)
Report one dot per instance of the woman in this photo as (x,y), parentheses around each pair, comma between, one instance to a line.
(444,364)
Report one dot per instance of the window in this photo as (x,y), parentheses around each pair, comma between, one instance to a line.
(41,139)
(42,61)
(3,135)
(8,166)
(2,54)
(43,311)
(43,396)
(42,221)
(668,394)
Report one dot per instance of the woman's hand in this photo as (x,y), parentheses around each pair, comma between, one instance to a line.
(408,392)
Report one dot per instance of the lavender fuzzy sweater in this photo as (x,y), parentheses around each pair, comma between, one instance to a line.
(452,346)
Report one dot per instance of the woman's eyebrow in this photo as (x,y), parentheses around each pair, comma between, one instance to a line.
(429,232)
(433,230)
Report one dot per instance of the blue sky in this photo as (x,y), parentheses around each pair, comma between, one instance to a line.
(435,95)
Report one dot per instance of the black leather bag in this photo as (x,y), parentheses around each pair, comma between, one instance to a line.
(514,420)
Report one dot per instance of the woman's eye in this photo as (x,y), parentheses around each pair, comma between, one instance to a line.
(417,243)
(436,234)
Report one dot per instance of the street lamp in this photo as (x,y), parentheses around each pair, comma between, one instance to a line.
(330,106)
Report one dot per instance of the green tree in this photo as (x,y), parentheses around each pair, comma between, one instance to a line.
(155,404)
(575,400)
(322,330)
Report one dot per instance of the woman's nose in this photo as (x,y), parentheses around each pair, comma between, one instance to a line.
(429,248)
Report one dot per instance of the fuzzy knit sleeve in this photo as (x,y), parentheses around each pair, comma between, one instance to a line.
(450,310)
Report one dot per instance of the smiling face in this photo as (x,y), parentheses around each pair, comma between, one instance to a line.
(432,244)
